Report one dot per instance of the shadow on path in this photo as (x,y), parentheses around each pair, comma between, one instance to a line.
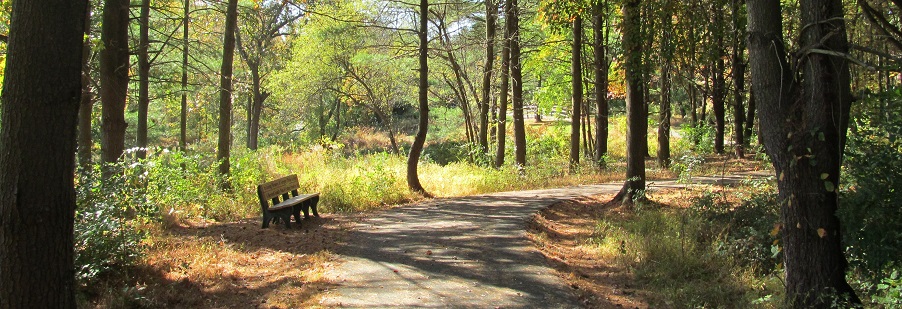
(469,252)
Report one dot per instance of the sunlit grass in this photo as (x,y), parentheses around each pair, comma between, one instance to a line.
(351,180)
(673,252)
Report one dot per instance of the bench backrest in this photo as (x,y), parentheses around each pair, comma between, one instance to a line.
(284,187)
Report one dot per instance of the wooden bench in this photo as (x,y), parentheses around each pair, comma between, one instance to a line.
(279,199)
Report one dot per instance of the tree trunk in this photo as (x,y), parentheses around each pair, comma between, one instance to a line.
(143,77)
(693,105)
(256,109)
(637,122)
(337,119)
(413,159)
(40,103)
(738,80)
(113,79)
(601,82)
(577,85)
(505,78)
(491,11)
(517,93)
(804,124)
(749,121)
(665,111)
(86,106)
(718,89)
(225,90)
(183,124)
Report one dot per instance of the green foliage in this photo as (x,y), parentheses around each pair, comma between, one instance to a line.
(108,220)
(871,207)
(889,291)
(443,153)
(699,139)
(746,232)
(686,165)
(550,143)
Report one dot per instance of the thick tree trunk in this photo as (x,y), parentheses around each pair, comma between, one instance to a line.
(225,90)
(517,85)
(738,80)
(637,123)
(183,122)
(113,78)
(143,77)
(40,103)
(413,159)
(86,106)
(601,82)
(804,125)
(491,11)
(501,134)
(577,87)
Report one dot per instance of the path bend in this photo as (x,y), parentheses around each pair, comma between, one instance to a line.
(467,252)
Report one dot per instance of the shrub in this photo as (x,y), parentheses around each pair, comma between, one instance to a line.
(871,207)
(108,217)
(700,138)
(446,152)
(748,232)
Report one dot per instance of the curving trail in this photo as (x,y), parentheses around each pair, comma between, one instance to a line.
(468,252)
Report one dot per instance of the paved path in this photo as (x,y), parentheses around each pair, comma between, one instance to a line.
(469,252)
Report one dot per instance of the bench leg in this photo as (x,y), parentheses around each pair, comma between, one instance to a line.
(313,203)
(310,205)
(286,216)
(266,219)
(296,212)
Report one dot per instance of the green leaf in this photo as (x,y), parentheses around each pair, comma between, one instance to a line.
(824,176)
(820,136)
(829,186)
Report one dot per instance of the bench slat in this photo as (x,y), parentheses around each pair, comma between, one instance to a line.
(277,187)
(293,201)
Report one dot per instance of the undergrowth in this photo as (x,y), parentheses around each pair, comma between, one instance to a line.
(710,252)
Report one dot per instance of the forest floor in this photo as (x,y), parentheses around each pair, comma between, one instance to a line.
(478,251)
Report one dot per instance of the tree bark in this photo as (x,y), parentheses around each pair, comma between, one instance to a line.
(738,80)
(505,78)
(256,109)
(86,106)
(413,159)
(664,112)
(601,81)
(804,124)
(183,124)
(718,88)
(41,97)
(749,121)
(517,91)
(225,90)
(637,122)
(113,79)
(143,77)
(491,11)
(577,87)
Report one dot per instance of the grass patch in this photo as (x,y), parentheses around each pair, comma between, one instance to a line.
(705,247)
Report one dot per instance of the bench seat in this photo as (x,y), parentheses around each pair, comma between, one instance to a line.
(283,195)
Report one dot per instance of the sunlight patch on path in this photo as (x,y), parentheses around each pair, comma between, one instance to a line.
(458,253)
